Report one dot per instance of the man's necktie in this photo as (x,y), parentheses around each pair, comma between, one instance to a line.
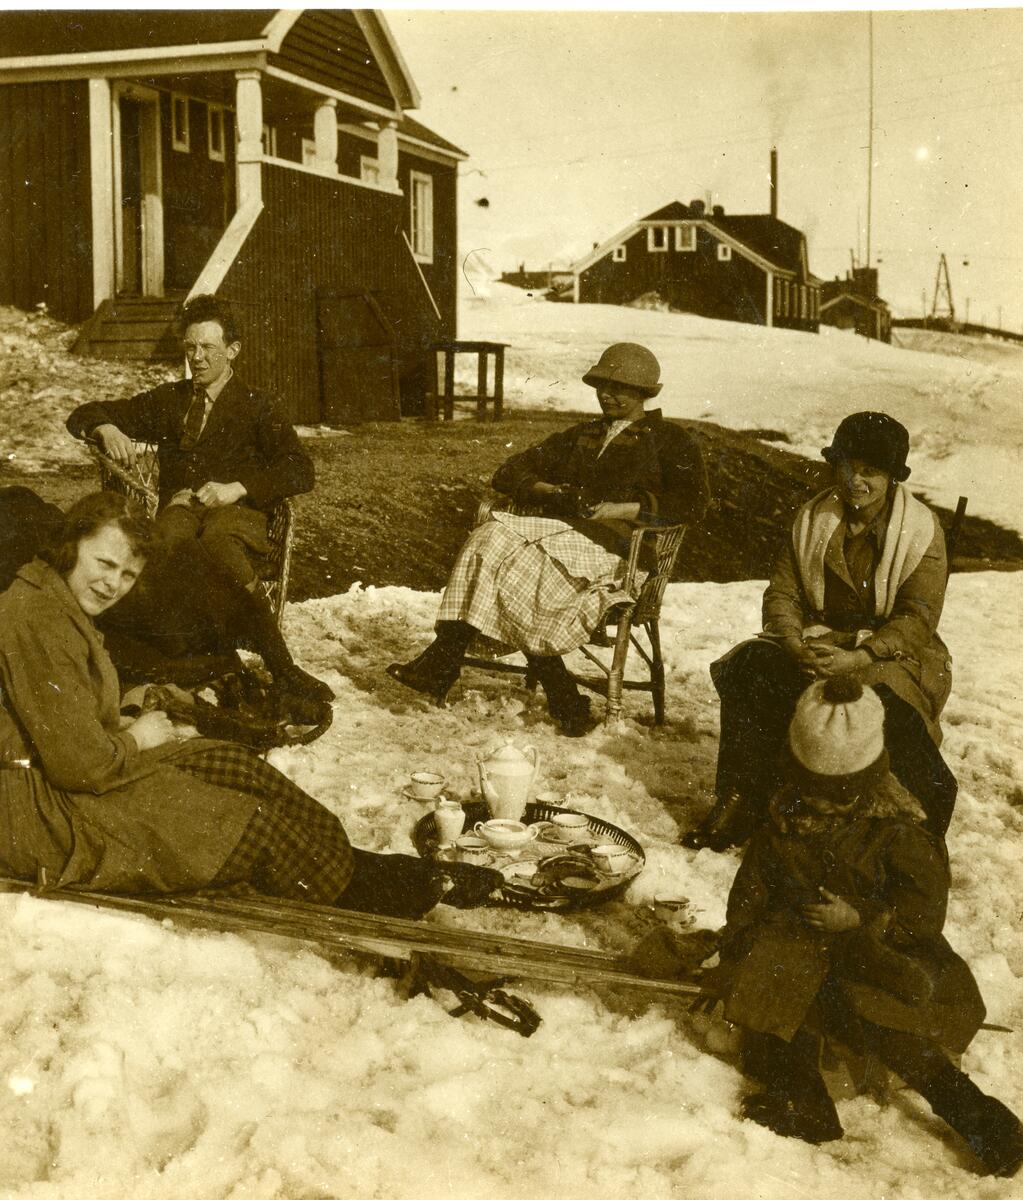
(194,419)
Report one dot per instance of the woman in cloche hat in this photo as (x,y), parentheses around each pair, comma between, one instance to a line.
(857,591)
(540,584)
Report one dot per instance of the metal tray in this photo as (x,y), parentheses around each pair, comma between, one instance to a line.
(514,895)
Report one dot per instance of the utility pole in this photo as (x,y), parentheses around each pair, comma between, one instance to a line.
(870,133)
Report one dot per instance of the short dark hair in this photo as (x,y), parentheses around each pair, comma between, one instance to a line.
(209,308)
(89,515)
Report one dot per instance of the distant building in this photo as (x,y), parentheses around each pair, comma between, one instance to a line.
(853,303)
(749,268)
(538,281)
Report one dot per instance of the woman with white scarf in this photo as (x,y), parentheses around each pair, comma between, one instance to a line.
(857,590)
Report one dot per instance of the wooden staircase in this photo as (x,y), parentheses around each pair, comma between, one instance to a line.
(141,329)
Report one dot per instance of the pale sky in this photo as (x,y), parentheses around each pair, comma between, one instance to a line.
(578,122)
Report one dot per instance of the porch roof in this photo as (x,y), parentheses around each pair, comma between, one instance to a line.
(63,31)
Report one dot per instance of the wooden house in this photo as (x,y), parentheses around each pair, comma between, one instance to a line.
(264,156)
(749,268)
(853,303)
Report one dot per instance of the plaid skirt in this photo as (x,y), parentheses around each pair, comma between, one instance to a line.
(533,584)
(292,846)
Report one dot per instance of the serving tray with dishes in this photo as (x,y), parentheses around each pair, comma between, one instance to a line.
(567,859)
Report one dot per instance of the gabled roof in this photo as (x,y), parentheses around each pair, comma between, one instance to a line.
(776,245)
(63,31)
(61,42)
(772,239)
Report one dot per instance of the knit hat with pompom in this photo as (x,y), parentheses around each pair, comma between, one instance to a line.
(836,738)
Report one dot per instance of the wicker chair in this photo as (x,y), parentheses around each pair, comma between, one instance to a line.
(140,484)
(621,623)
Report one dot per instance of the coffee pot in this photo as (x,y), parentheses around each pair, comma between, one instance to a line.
(507,776)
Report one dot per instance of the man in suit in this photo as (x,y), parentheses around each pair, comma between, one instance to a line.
(227,454)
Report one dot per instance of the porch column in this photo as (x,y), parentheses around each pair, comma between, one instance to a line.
(387,153)
(325,133)
(101,174)
(248,95)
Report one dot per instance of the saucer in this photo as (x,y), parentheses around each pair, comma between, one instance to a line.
(409,794)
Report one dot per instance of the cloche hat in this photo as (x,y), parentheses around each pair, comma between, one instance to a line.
(872,437)
(628,363)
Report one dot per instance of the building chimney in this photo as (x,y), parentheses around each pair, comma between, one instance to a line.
(696,208)
(774,181)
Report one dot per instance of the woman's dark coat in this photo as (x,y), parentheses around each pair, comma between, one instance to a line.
(652,461)
(896,876)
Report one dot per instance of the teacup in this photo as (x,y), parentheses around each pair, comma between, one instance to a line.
(504,834)
(611,859)
(427,785)
(571,827)
(472,849)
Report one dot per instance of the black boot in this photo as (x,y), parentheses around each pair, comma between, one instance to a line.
(992,1131)
(435,671)
(730,822)
(795,1101)
(566,704)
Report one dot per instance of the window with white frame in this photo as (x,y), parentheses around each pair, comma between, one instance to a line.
(618,254)
(308,152)
(724,252)
(685,238)
(421,189)
(179,123)
(657,238)
(802,303)
(215,132)
(269,141)
(369,168)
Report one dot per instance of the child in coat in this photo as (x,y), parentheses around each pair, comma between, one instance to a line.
(834,927)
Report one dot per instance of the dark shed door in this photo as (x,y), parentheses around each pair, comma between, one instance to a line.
(358,372)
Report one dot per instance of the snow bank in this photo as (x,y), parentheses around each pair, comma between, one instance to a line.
(143,1061)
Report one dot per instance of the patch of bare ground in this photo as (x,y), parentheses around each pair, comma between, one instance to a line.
(394,501)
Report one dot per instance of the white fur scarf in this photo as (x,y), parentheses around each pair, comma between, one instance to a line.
(910,531)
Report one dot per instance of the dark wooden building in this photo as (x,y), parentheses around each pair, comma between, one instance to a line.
(853,303)
(749,268)
(266,156)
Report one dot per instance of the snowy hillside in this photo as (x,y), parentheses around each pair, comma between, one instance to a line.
(146,1062)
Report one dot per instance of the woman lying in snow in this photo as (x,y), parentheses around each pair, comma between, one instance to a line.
(857,591)
(834,929)
(91,799)
(541,584)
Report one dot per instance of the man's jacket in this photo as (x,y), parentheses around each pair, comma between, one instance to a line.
(247,439)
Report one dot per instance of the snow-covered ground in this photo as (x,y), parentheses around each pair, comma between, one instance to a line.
(139,1060)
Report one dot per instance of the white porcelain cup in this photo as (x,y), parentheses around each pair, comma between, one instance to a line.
(449,819)
(426,784)
(571,827)
(472,849)
(611,859)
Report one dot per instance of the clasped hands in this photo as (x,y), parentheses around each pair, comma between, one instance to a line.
(567,500)
(822,659)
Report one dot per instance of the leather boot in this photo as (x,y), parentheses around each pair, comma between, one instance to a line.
(566,704)
(435,671)
(992,1131)
(730,822)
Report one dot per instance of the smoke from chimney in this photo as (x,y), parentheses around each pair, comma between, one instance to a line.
(774,181)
